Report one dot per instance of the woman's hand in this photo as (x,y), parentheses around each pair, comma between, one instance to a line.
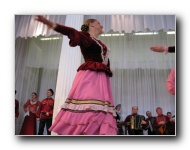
(45,21)
(159,48)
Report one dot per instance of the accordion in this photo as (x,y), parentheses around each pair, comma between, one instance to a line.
(136,122)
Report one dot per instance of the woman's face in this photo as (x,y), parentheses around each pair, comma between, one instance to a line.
(33,96)
(97,26)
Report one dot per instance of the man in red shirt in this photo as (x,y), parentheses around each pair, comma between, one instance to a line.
(45,113)
(161,123)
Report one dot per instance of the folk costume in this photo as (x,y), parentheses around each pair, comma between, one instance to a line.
(135,127)
(45,120)
(29,123)
(162,129)
(89,108)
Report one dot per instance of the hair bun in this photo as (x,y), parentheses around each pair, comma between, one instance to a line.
(84,28)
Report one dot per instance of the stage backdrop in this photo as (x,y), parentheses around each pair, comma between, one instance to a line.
(44,60)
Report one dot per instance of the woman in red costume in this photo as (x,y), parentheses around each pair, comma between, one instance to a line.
(30,109)
(89,107)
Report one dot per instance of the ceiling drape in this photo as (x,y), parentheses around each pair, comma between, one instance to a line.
(26,26)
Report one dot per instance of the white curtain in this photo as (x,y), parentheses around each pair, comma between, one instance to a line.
(36,68)
(133,51)
(27,26)
(136,23)
(139,74)
(69,62)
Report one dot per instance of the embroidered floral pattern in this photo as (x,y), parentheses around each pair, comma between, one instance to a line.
(104,51)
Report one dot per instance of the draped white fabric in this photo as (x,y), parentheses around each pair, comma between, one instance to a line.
(145,88)
(69,62)
(133,51)
(36,67)
(27,26)
(139,74)
(136,23)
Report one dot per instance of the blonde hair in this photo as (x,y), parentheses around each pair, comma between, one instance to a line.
(85,26)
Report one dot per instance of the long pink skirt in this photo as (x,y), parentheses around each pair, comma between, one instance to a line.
(89,108)
(170,83)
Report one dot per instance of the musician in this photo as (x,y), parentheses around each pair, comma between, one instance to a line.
(118,120)
(150,121)
(171,128)
(161,123)
(138,130)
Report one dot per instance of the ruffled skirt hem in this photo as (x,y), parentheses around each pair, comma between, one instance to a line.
(84,123)
(89,108)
